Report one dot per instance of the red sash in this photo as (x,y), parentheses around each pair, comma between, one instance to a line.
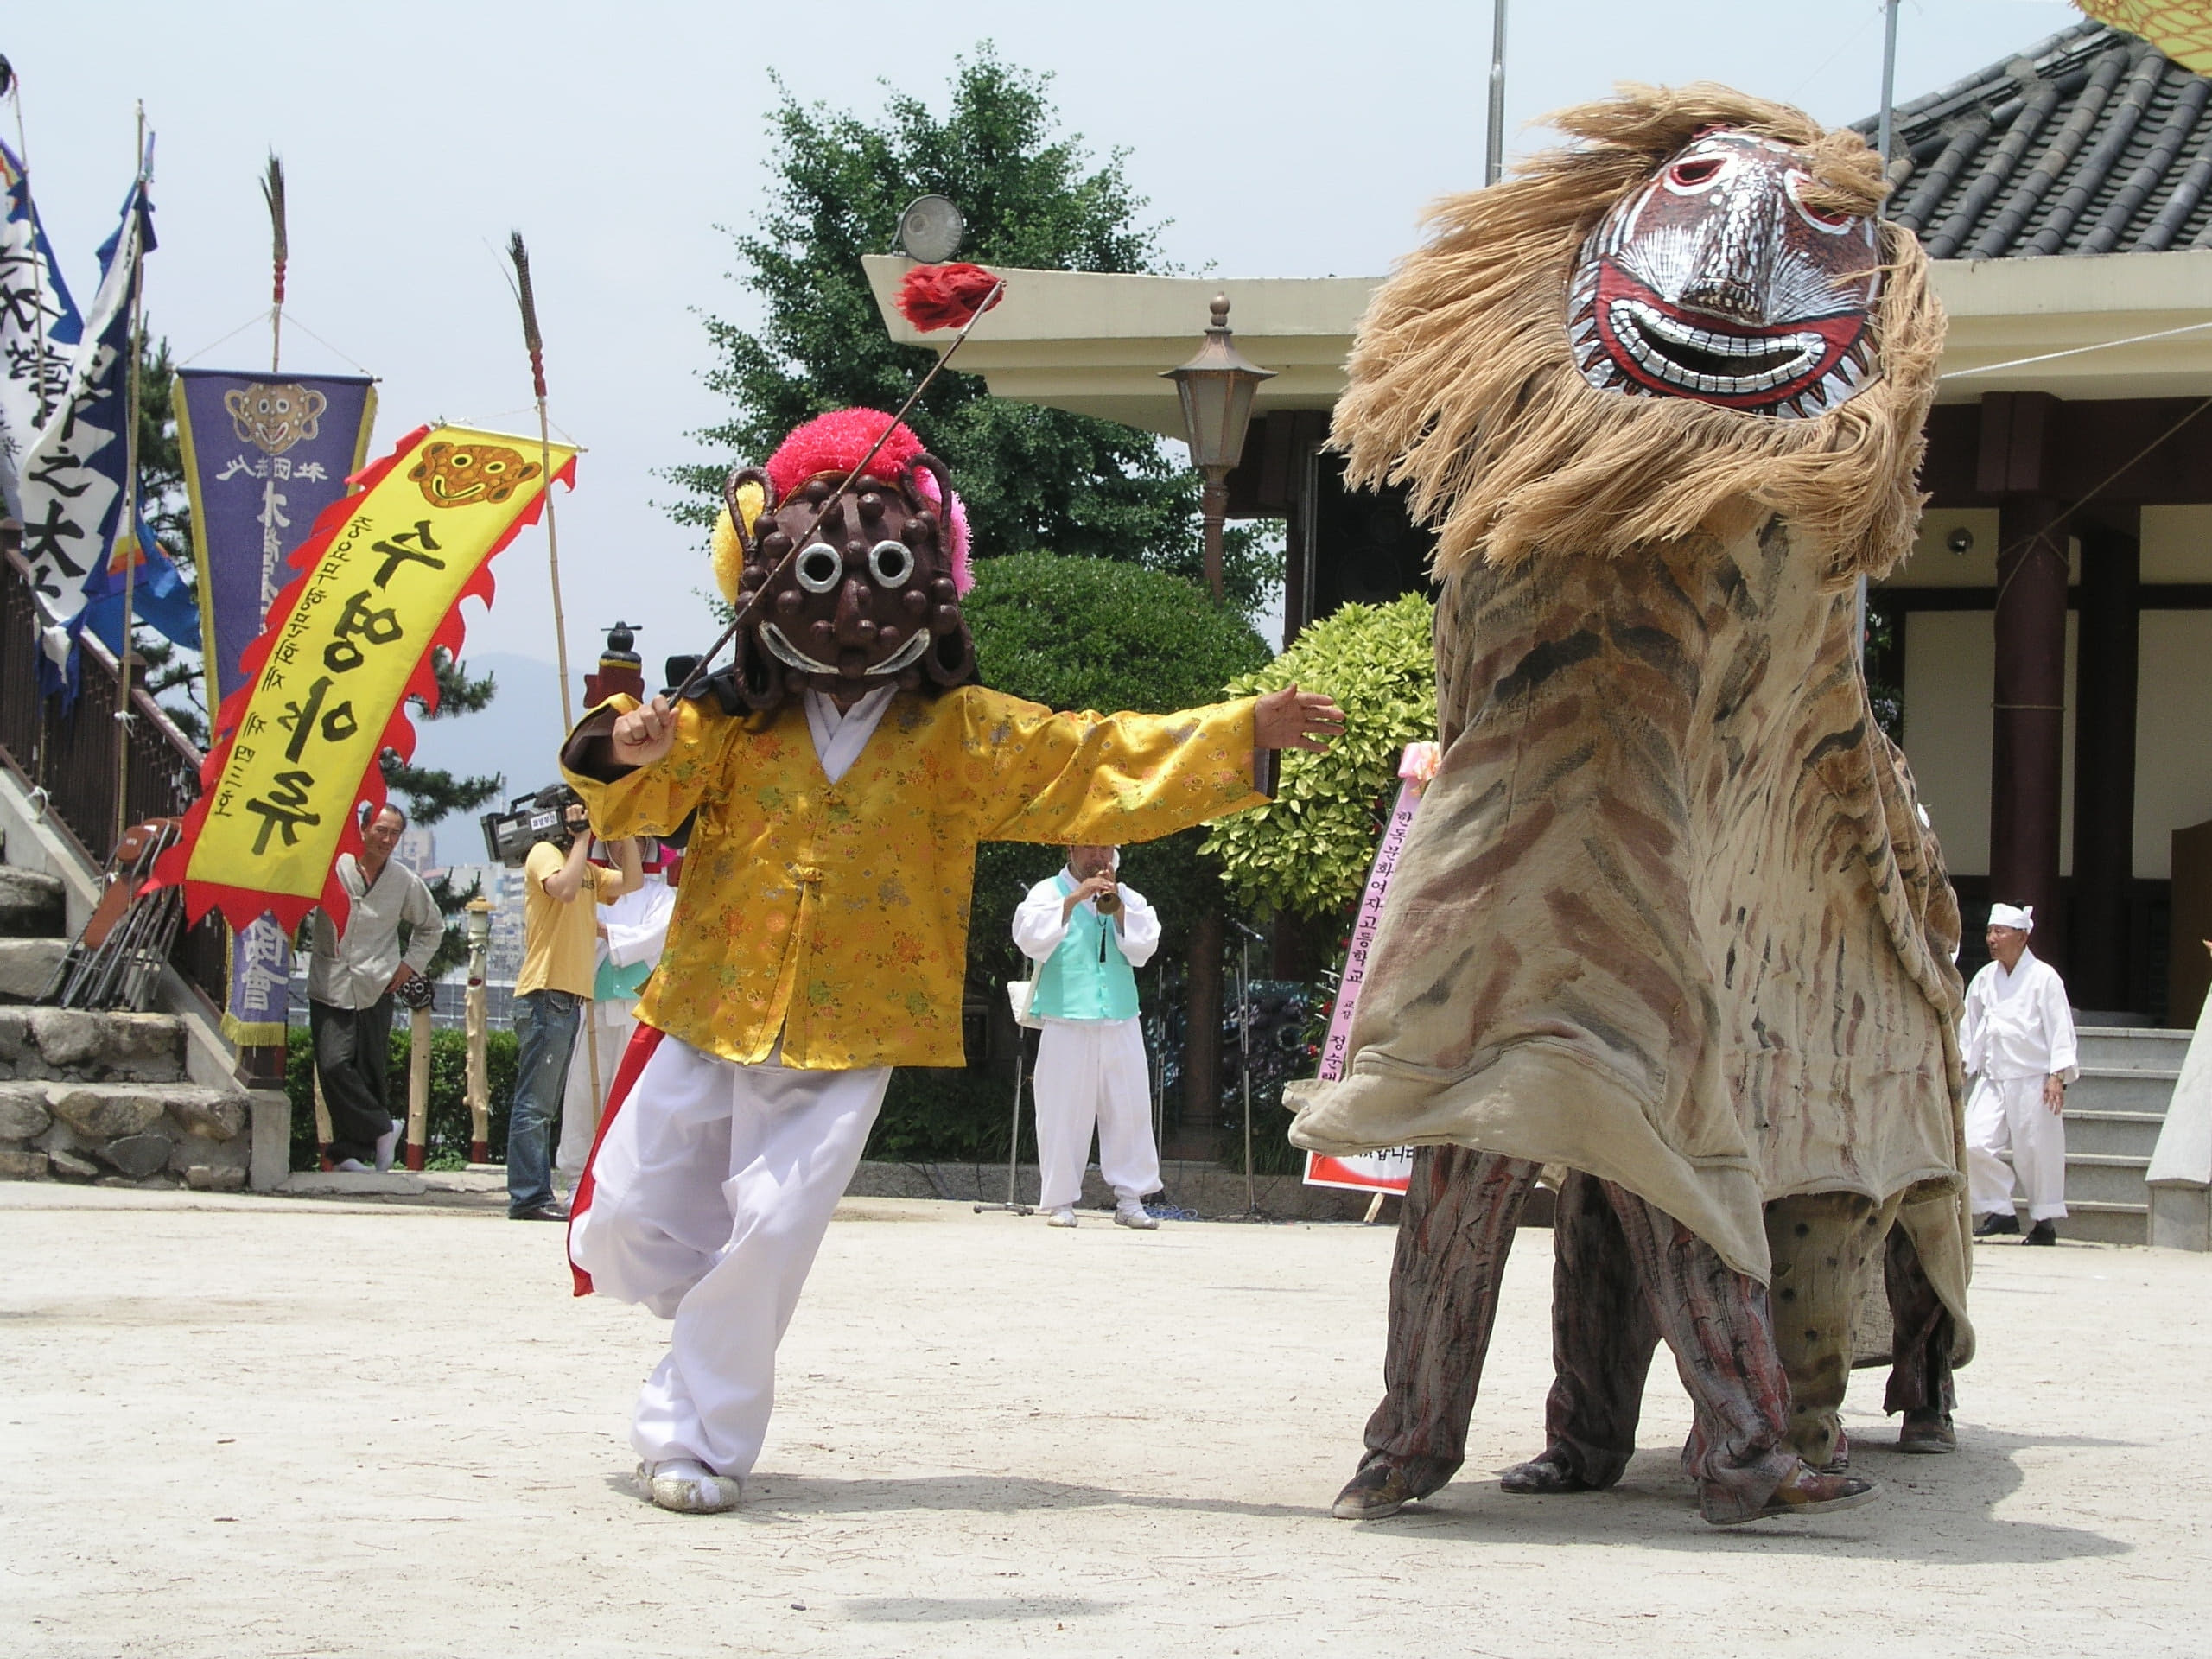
(643,1042)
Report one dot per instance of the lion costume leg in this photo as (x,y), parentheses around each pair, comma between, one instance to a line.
(1822,1244)
(1602,1340)
(1925,1334)
(1715,1319)
(1454,1234)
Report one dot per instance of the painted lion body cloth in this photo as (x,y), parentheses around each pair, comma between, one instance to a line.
(1669,913)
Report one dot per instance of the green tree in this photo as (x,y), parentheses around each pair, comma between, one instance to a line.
(1032,197)
(1307,851)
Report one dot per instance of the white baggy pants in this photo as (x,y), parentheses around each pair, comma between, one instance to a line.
(2009,1111)
(579,1111)
(1092,1073)
(712,1190)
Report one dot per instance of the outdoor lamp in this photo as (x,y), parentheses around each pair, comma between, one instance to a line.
(1216,388)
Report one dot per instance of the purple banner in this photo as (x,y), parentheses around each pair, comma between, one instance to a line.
(263,455)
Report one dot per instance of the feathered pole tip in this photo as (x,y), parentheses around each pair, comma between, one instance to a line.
(530,338)
(272,192)
(947,296)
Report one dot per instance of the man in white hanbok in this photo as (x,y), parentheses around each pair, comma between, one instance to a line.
(1087,933)
(2017,1040)
(632,931)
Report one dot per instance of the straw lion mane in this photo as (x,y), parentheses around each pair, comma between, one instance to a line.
(1462,385)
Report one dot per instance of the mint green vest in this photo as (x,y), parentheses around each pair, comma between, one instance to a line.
(1076,982)
(614,984)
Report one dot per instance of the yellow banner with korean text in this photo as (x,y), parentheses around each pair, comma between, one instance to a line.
(324,689)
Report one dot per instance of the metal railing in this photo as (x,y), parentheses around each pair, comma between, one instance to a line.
(71,758)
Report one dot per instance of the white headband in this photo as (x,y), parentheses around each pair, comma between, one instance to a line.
(2022,916)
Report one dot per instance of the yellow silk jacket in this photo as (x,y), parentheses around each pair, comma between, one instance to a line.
(835,916)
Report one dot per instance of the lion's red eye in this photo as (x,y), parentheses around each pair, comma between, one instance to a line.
(1689,174)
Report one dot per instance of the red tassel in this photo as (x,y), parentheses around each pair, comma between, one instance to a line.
(945,296)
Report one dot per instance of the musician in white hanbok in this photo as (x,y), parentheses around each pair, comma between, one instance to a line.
(2016,1040)
(1087,933)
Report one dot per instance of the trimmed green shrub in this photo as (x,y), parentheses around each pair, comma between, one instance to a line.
(1307,852)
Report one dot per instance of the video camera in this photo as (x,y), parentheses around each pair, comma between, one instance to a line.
(529,819)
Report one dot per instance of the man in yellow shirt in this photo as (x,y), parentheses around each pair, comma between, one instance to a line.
(843,775)
(558,962)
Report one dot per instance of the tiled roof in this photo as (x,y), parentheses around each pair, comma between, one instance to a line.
(2091,141)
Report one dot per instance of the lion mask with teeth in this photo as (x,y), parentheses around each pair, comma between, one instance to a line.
(1691,309)
(874,596)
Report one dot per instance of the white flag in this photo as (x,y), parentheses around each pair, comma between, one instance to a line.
(39,328)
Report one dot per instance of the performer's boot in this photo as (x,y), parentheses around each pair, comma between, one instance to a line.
(1602,1343)
(1454,1232)
(689,1487)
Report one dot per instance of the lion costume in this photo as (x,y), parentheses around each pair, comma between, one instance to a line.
(1670,915)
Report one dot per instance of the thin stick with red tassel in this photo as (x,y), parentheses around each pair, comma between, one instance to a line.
(930,297)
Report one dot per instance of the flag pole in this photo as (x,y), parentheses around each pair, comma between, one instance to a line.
(535,341)
(127,527)
(272,192)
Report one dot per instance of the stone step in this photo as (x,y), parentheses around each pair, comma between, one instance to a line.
(2124,1089)
(2131,1047)
(2133,1135)
(2106,1178)
(82,1045)
(30,905)
(27,967)
(72,1128)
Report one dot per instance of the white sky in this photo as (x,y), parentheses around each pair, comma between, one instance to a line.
(1281,137)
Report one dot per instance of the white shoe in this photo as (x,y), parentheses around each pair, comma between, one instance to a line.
(353,1166)
(689,1487)
(1063,1216)
(1134,1215)
(386,1143)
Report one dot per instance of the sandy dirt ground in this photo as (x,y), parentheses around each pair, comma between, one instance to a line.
(265,1427)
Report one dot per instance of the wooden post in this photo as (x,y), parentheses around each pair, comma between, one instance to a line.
(2016,462)
(2105,675)
(321,1119)
(418,1086)
(2027,748)
(479,1085)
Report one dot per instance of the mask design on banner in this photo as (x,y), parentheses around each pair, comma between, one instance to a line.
(1728,279)
(875,593)
(466,475)
(276,416)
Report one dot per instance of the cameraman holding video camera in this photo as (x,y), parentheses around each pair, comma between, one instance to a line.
(559,938)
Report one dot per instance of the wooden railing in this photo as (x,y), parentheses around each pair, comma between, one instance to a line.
(71,758)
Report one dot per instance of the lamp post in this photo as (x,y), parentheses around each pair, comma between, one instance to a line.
(1216,388)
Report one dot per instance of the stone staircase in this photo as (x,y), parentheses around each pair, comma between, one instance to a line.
(106,1097)
(2113,1117)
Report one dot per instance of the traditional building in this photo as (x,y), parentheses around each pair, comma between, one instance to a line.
(2040,650)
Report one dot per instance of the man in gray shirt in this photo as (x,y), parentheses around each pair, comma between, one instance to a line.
(351,977)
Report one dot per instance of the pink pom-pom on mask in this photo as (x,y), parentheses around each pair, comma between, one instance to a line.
(833,443)
(956,533)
